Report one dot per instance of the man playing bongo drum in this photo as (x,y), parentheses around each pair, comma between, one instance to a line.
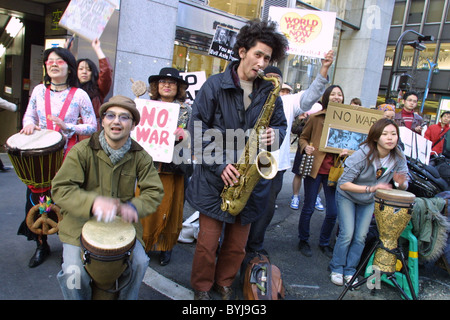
(97,181)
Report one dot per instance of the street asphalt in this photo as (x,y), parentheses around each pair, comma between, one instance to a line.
(304,278)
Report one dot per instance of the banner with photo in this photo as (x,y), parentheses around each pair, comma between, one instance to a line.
(309,32)
(346,126)
(223,43)
(155,131)
(416,146)
(87,18)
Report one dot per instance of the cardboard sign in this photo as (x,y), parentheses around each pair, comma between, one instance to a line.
(155,131)
(309,32)
(416,146)
(195,81)
(346,126)
(87,18)
(223,43)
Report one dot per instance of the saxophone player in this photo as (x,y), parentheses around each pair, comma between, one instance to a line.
(231,100)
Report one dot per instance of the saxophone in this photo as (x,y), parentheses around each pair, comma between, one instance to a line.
(252,165)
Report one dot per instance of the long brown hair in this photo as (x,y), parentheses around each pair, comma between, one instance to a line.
(374,135)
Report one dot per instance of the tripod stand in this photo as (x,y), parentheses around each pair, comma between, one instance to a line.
(390,276)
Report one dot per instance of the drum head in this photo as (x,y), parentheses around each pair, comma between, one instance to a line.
(395,196)
(41,141)
(102,237)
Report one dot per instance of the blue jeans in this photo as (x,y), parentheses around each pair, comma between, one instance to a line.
(354,222)
(311,186)
(75,281)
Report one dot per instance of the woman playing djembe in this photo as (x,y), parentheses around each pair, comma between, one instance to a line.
(55,104)
(372,167)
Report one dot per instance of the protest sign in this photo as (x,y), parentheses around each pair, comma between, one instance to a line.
(155,131)
(87,18)
(416,146)
(195,81)
(309,32)
(223,43)
(346,126)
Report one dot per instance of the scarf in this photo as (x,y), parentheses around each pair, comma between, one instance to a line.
(114,155)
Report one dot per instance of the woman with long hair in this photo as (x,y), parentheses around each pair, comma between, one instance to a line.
(56,104)
(371,167)
(309,142)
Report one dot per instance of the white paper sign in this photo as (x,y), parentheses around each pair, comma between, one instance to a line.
(155,131)
(309,32)
(416,146)
(87,18)
(195,81)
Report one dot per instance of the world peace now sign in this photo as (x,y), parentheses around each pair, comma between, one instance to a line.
(309,32)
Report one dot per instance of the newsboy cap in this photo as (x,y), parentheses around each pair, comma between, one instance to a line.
(124,102)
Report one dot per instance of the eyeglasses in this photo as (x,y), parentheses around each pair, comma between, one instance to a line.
(167,81)
(123,117)
(59,62)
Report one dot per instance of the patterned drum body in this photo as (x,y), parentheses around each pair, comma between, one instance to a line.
(392,214)
(36,157)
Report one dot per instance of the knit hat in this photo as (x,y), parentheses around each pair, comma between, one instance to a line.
(273,69)
(124,102)
(168,73)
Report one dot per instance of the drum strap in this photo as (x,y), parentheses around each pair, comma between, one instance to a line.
(62,114)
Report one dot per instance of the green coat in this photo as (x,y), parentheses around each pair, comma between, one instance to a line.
(87,172)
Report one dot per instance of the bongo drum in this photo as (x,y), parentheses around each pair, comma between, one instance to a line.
(106,251)
(36,157)
(392,214)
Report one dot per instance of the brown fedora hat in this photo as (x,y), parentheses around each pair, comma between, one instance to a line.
(124,102)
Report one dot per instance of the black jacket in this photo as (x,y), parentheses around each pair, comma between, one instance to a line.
(219,105)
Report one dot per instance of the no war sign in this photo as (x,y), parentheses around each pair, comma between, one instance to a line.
(155,131)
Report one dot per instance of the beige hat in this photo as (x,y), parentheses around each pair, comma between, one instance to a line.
(286,86)
(124,102)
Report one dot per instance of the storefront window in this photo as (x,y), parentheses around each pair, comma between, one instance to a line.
(444,57)
(188,59)
(248,9)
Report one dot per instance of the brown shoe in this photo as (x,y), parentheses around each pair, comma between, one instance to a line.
(225,292)
(201,295)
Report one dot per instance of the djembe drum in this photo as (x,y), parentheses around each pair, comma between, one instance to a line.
(106,251)
(392,214)
(36,157)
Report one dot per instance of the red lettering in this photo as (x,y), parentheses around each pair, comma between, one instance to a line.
(146,116)
(142,134)
(163,138)
(153,137)
(163,117)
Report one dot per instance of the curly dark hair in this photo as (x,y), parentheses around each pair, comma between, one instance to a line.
(262,31)
(67,56)
(154,93)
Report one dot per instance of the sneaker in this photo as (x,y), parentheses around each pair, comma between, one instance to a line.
(347,281)
(295,201)
(337,278)
(319,205)
(304,248)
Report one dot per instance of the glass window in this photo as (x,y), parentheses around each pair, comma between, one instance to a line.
(188,59)
(389,57)
(348,10)
(444,57)
(248,9)
(435,11)
(416,11)
(399,12)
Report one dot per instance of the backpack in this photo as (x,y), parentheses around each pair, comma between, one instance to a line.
(262,280)
(446,146)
